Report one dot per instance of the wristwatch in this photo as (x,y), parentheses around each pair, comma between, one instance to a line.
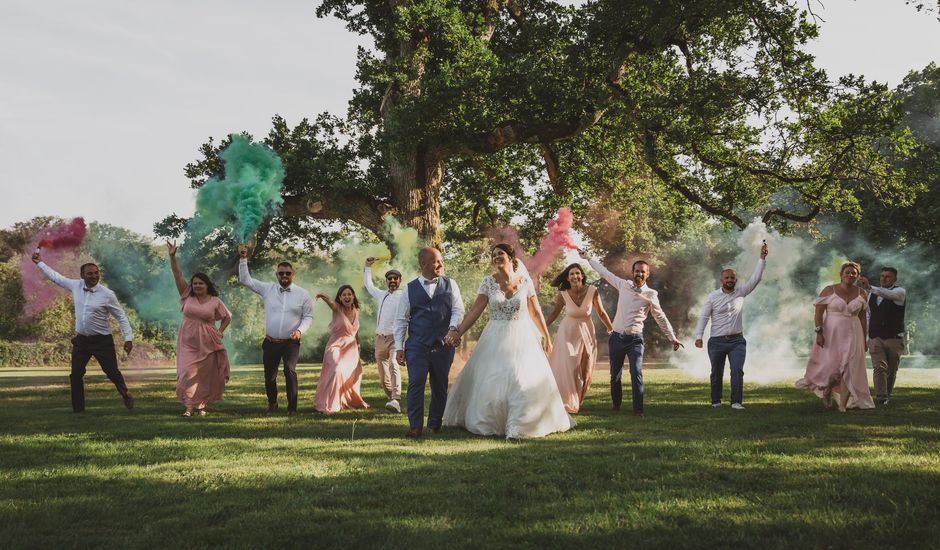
(818,329)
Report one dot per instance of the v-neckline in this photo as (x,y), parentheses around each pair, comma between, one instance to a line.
(583,298)
(506,296)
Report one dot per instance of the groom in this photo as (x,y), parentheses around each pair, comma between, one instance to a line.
(430,310)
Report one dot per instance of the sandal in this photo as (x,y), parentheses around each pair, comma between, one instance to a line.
(187,413)
(201,412)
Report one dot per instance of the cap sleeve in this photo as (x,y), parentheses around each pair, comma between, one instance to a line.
(530,287)
(185,296)
(221,311)
(486,286)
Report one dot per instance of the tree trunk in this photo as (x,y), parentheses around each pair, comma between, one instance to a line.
(416,177)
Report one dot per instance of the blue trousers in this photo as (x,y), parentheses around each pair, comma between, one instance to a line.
(734,349)
(424,362)
(622,347)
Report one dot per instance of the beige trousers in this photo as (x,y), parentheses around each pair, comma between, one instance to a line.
(389,371)
(885,357)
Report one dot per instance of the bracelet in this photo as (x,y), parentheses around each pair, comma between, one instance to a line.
(818,329)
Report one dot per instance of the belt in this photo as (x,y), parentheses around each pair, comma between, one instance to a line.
(385,335)
(277,340)
(730,336)
(630,334)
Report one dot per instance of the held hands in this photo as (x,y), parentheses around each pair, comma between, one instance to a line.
(698,343)
(171,248)
(243,250)
(452,339)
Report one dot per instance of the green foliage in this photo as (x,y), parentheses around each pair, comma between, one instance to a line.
(11,298)
(34,354)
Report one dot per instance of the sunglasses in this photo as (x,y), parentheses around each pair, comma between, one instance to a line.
(284,273)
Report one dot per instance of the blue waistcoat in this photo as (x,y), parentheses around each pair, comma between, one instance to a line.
(430,317)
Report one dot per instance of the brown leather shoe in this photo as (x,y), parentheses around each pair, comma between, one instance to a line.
(272,407)
(128,400)
(413,433)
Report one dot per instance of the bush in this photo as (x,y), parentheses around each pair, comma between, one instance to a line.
(34,354)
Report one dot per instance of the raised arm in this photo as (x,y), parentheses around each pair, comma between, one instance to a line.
(181,285)
(52,274)
(614,280)
(556,310)
(752,283)
(244,277)
(329,302)
(896,294)
(367,280)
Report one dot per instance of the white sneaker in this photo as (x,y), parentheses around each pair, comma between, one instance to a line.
(737,406)
(393,406)
(716,405)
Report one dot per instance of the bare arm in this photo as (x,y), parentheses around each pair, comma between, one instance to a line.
(818,316)
(556,311)
(602,313)
(536,312)
(181,285)
(863,318)
(326,299)
(471,316)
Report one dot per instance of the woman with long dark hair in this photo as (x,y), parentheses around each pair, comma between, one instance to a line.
(341,375)
(202,366)
(575,351)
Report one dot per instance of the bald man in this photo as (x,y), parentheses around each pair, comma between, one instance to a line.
(724,308)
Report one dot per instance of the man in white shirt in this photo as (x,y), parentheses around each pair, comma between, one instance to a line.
(389,371)
(635,302)
(429,312)
(724,308)
(93,304)
(886,305)
(288,313)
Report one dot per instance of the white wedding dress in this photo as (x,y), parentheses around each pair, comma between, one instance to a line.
(507,387)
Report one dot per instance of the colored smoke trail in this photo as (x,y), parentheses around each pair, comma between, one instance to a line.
(557,238)
(58,246)
(249,192)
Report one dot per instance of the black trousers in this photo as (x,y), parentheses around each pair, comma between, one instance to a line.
(273,354)
(101,347)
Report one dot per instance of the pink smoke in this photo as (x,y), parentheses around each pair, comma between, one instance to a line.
(558,237)
(57,245)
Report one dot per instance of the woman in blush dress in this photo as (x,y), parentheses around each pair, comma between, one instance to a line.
(837,359)
(202,366)
(575,351)
(341,375)
(507,388)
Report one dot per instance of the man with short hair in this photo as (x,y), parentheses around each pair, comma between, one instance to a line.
(93,303)
(635,302)
(886,305)
(389,371)
(288,313)
(724,308)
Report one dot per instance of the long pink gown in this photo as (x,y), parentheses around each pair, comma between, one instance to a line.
(341,376)
(575,351)
(840,364)
(202,366)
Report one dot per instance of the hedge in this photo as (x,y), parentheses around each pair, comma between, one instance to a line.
(34,354)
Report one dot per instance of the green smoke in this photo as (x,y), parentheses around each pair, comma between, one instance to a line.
(249,192)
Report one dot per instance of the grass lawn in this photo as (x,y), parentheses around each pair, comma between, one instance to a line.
(782,474)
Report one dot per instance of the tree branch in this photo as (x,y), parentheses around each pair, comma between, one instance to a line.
(359,208)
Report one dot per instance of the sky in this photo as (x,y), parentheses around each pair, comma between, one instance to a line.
(103,103)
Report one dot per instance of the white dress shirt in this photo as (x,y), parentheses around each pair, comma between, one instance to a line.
(285,309)
(92,305)
(725,308)
(896,294)
(403,315)
(388,304)
(634,304)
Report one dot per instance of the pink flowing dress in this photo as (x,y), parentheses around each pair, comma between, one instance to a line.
(575,351)
(840,364)
(341,376)
(202,366)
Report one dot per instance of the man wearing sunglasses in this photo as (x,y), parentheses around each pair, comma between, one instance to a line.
(288,313)
(389,370)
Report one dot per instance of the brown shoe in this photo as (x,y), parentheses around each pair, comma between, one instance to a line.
(435,431)
(413,433)
(128,400)
(272,407)
(292,413)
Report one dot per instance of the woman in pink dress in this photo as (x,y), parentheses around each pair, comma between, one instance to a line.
(341,375)
(202,367)
(837,360)
(575,351)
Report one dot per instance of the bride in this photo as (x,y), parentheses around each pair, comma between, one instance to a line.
(507,387)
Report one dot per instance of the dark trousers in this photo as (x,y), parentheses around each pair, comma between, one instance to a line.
(622,347)
(101,347)
(274,353)
(423,362)
(735,350)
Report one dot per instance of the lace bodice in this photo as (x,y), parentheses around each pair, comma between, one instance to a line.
(502,308)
